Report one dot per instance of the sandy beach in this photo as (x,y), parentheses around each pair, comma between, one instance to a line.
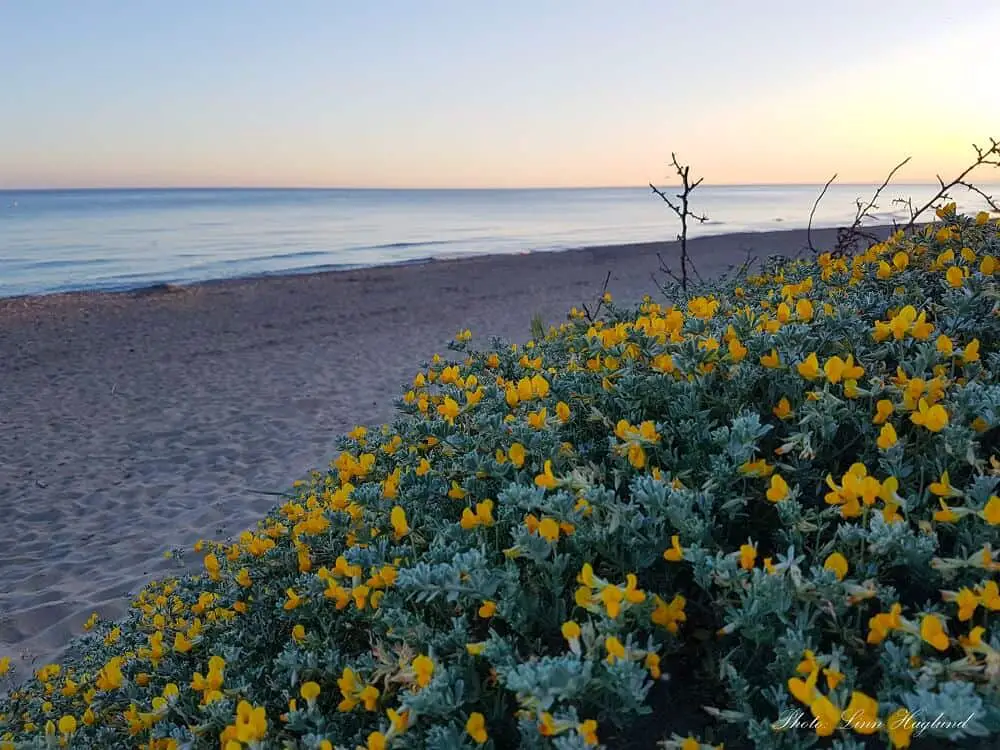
(133,423)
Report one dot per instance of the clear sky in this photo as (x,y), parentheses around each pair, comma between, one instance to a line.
(466,93)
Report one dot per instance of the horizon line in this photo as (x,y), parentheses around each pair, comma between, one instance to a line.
(122,188)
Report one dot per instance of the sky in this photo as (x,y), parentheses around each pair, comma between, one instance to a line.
(469,93)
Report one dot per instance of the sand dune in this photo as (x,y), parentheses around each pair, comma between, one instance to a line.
(133,423)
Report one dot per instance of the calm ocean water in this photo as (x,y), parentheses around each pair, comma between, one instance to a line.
(60,240)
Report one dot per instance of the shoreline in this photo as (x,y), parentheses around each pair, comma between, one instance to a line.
(137,422)
(154,286)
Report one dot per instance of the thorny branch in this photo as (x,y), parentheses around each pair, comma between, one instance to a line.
(683,211)
(989,156)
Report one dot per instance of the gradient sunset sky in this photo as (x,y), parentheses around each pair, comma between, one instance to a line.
(427,93)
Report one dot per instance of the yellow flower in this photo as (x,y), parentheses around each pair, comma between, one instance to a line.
(971,352)
(900,725)
(614,648)
(299,633)
(570,630)
(562,411)
(423,669)
(636,455)
(652,663)
(887,437)
(783,410)
(933,418)
(804,310)
(539,386)
(663,363)
(838,564)
(778,490)
(772,360)
(212,566)
(736,350)
(475,727)
(536,419)
(944,345)
(933,632)
(517,455)
(588,730)
(309,691)
(676,552)
(758,468)
(883,409)
(827,715)
(182,644)
(954,277)
(809,368)
(487,609)
(990,514)
(881,624)
(748,555)
(861,713)
(377,741)
(547,725)
(397,517)
(546,479)
(833,678)
(836,369)
(611,597)
(990,595)
(67,725)
(943,488)
(369,697)
(967,603)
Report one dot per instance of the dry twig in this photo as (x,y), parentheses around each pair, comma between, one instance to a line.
(989,156)
(848,238)
(683,212)
(592,316)
(812,213)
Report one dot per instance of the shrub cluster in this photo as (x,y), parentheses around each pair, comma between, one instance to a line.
(765,516)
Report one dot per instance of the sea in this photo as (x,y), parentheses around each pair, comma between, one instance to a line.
(103,239)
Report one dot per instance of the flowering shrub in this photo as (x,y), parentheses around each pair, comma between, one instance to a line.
(774,507)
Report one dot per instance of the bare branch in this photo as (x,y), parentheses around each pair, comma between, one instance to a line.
(591,317)
(988,156)
(813,212)
(988,198)
(848,238)
(683,211)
